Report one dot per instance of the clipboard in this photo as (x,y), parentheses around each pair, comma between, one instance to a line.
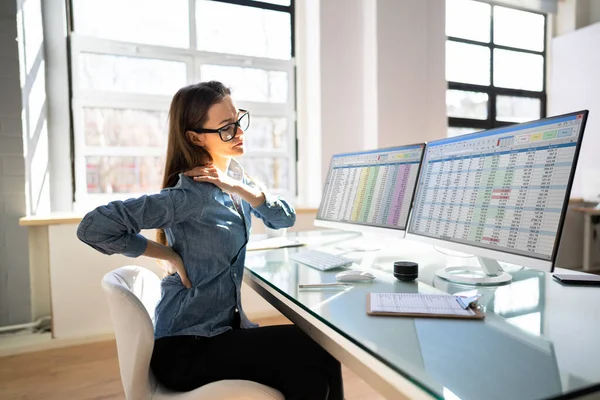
(419,305)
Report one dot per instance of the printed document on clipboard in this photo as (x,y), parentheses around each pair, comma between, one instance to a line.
(423,305)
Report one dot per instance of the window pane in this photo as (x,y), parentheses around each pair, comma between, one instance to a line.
(131,74)
(517,70)
(267,134)
(463,104)
(107,127)
(517,28)
(250,84)
(467,63)
(517,109)
(37,103)
(468,19)
(248,31)
(270,171)
(157,22)
(124,174)
(454,131)
(33,32)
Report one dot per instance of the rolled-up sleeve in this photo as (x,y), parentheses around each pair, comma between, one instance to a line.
(275,212)
(115,227)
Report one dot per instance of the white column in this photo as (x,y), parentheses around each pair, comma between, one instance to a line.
(57,95)
(411,79)
(347,69)
(308,102)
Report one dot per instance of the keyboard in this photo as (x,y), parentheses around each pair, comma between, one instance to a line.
(320,260)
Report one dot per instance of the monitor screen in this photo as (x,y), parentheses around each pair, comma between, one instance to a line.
(504,189)
(372,188)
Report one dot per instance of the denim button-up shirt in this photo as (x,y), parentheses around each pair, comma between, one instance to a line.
(204,226)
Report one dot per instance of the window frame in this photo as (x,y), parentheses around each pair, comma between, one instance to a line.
(491,90)
(194,60)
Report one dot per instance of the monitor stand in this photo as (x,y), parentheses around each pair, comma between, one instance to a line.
(489,273)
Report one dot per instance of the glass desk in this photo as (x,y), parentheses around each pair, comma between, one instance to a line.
(539,339)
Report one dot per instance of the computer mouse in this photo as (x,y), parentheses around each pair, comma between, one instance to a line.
(354,276)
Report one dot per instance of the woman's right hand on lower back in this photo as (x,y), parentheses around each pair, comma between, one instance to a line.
(168,259)
(174,265)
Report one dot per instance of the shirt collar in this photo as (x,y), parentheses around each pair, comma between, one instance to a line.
(235,170)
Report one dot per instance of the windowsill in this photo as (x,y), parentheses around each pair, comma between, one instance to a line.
(61,218)
(65,218)
(74,218)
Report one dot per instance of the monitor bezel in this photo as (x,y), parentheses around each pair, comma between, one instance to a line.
(504,255)
(367,228)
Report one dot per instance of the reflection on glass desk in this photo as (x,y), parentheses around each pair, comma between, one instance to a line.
(539,339)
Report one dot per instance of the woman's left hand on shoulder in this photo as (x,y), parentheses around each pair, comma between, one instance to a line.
(213,175)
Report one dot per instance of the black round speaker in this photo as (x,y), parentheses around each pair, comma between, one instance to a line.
(406,270)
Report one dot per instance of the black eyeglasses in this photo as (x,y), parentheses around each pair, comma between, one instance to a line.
(228,132)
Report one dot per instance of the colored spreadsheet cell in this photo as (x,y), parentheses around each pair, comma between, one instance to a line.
(565,132)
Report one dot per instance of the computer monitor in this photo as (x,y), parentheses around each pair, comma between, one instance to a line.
(371,191)
(500,194)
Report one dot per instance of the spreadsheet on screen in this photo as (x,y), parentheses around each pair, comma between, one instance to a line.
(503,189)
(373,188)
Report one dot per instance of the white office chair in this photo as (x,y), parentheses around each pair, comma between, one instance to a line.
(132,294)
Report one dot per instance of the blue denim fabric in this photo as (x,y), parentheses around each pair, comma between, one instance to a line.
(204,227)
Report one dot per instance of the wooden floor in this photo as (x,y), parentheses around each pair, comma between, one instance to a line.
(91,371)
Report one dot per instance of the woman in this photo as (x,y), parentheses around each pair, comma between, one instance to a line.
(203,218)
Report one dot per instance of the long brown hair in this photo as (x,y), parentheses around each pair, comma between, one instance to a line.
(189,111)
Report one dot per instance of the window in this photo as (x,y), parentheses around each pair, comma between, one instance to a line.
(495,66)
(125,71)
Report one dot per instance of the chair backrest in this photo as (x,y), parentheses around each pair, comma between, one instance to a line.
(132,294)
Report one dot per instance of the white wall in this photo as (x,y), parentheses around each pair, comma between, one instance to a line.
(14,262)
(342,56)
(574,85)
(411,78)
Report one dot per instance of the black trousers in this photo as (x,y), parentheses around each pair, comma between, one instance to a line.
(282,357)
